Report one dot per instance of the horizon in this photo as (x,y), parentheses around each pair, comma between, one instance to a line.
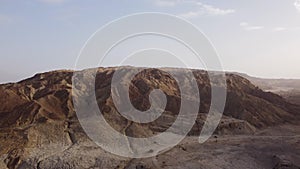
(248,38)
(105,67)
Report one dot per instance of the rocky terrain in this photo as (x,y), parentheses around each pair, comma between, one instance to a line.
(287,88)
(292,96)
(39,128)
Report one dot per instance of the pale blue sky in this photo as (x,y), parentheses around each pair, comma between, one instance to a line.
(261,38)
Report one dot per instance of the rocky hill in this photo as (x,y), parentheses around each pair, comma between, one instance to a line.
(39,127)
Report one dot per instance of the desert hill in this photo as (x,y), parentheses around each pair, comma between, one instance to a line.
(287,88)
(39,128)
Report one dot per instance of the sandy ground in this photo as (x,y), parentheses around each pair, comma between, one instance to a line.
(267,149)
(272,148)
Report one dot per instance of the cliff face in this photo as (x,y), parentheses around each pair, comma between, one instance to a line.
(39,126)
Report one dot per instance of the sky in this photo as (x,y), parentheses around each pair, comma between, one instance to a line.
(260,38)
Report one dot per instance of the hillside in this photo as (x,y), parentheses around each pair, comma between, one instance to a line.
(39,128)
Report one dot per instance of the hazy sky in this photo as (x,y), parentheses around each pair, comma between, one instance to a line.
(260,38)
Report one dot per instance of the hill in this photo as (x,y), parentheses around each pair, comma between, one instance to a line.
(40,129)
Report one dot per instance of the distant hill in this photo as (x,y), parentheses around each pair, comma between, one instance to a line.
(288,88)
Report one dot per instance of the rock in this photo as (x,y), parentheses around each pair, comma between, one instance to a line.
(283,163)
